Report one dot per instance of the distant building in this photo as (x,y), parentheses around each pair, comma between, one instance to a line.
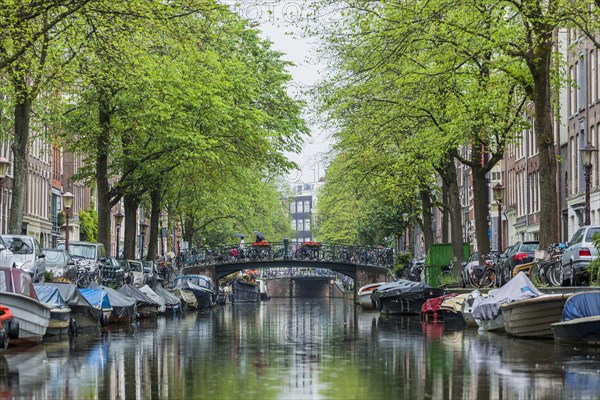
(302,205)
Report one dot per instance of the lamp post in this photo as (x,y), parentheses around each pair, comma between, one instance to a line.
(118,220)
(587,154)
(499,196)
(67,204)
(143,227)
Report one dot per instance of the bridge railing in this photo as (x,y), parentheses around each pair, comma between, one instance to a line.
(277,251)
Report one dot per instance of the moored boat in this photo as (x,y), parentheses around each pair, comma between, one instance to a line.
(245,291)
(85,318)
(145,306)
(467,308)
(364,295)
(487,312)
(403,297)
(533,317)
(17,293)
(431,310)
(100,302)
(124,308)
(452,309)
(580,320)
(172,302)
(201,286)
(60,312)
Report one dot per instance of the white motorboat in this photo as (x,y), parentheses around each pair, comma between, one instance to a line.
(17,293)
(364,295)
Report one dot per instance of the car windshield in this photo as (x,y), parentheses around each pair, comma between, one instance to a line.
(82,251)
(19,245)
(54,256)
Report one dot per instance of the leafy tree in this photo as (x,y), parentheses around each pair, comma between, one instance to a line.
(89,224)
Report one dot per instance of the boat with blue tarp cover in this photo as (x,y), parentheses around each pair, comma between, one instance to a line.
(580,320)
(100,301)
(85,318)
(60,312)
(123,307)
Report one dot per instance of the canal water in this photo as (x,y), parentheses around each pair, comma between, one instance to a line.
(298,349)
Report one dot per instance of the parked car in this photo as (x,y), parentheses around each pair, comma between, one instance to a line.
(471,263)
(60,263)
(519,253)
(27,255)
(85,252)
(577,256)
(150,272)
(6,256)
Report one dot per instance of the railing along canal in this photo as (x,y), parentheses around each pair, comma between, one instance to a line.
(278,251)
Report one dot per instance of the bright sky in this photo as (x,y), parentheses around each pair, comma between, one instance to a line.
(280,22)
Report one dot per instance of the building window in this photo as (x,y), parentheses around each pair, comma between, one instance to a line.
(299,208)
(293,207)
(294,224)
(581,83)
(300,225)
(307,224)
(306,205)
(593,74)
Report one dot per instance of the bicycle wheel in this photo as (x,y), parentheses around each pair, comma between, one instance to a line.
(328,255)
(555,274)
(488,279)
(445,278)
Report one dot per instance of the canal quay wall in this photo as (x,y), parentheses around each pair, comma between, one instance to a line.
(309,286)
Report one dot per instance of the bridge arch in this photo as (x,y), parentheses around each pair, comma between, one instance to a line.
(361,274)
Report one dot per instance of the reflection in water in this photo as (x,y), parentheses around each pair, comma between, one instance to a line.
(295,349)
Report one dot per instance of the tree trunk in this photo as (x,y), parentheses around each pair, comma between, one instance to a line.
(427,225)
(549,210)
(19,149)
(480,203)
(448,175)
(103,186)
(131,206)
(445,214)
(154,222)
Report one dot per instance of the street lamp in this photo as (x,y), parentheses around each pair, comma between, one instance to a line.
(499,196)
(67,204)
(143,227)
(587,154)
(118,220)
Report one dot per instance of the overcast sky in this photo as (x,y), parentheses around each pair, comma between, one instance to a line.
(280,22)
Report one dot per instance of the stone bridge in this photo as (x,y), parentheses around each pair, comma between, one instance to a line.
(363,264)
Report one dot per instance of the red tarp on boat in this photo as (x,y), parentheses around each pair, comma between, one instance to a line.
(434,305)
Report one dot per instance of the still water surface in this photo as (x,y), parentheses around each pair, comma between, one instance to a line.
(298,349)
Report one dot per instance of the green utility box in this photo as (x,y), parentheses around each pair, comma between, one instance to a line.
(440,254)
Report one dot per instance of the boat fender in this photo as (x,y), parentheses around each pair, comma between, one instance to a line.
(13,329)
(73,327)
(3,341)
(104,320)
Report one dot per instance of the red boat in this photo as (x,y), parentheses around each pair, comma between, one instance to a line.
(9,327)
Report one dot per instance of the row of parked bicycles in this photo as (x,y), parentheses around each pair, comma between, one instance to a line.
(489,271)
(263,251)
